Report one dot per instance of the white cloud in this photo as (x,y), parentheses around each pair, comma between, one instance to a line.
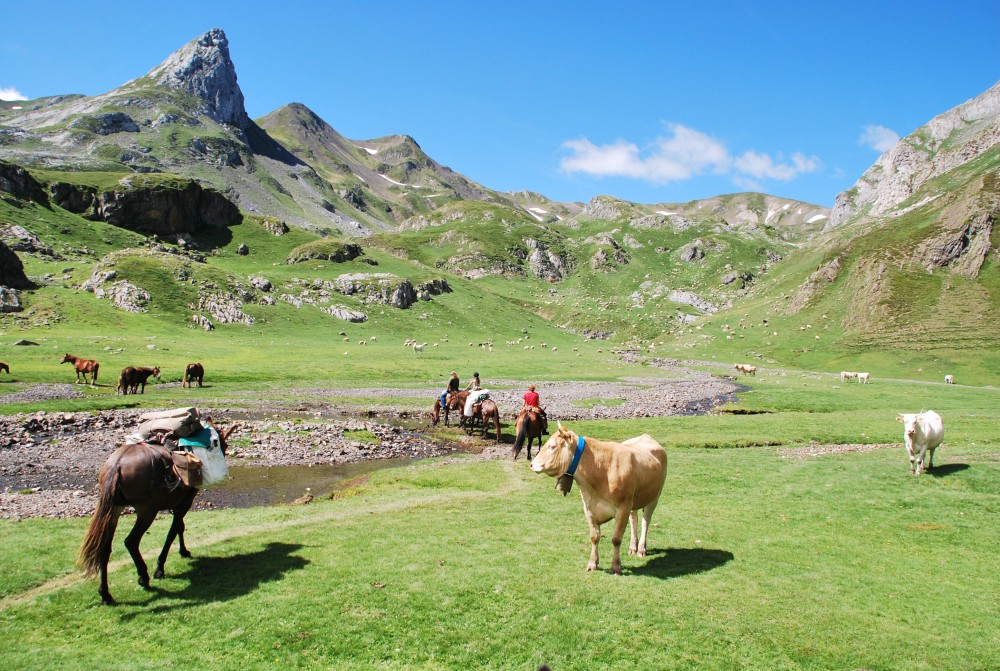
(679,156)
(685,153)
(762,166)
(879,138)
(11,93)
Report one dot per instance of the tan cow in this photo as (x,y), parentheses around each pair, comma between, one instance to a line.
(616,479)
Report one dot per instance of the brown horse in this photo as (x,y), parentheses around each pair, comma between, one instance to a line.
(456,403)
(131,378)
(83,366)
(487,412)
(194,371)
(528,427)
(4,367)
(139,475)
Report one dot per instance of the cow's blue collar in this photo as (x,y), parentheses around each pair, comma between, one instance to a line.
(576,455)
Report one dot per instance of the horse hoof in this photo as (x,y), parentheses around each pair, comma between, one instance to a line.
(186,554)
(144,583)
(158,574)
(107,600)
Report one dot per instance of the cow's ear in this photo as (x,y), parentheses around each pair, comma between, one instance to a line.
(899,418)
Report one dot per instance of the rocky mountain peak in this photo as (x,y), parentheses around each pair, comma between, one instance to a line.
(203,67)
(942,144)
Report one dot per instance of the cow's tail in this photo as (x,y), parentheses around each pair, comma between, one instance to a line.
(101,531)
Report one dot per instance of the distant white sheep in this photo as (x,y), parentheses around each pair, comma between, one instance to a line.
(418,347)
(949,379)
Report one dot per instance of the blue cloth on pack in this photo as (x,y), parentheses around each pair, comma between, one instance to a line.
(201,438)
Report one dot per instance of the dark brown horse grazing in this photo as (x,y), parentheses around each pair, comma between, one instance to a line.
(528,427)
(4,367)
(194,371)
(131,378)
(83,366)
(449,405)
(138,475)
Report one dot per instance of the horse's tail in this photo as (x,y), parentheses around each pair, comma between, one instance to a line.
(122,384)
(496,422)
(94,376)
(522,434)
(101,531)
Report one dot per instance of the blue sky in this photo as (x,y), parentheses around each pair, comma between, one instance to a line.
(653,102)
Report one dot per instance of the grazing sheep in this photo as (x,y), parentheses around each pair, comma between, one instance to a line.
(949,379)
(418,347)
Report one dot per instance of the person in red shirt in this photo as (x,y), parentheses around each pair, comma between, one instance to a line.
(531,402)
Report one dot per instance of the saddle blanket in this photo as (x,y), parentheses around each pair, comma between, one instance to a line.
(475,397)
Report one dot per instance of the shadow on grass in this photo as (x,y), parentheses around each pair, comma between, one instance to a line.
(947,469)
(214,579)
(677,562)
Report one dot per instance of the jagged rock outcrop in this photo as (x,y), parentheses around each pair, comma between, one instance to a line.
(20,239)
(382,288)
(604,207)
(124,296)
(694,251)
(12,270)
(945,142)
(10,300)
(434,287)
(823,276)
(204,68)
(152,208)
(692,299)
(261,283)
(544,263)
(275,227)
(341,253)
(346,313)
(224,308)
(106,124)
(19,183)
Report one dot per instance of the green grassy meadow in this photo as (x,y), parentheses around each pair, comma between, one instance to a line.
(761,557)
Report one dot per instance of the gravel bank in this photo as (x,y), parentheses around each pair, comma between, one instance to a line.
(49,461)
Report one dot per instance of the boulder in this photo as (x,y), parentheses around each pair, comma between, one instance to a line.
(383,288)
(12,270)
(10,300)
(346,313)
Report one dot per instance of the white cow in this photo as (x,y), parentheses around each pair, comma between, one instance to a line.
(922,433)
(846,375)
(862,378)
(949,379)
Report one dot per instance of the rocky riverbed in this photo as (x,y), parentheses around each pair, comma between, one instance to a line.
(49,460)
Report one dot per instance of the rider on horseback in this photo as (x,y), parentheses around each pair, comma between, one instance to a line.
(453,385)
(531,402)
